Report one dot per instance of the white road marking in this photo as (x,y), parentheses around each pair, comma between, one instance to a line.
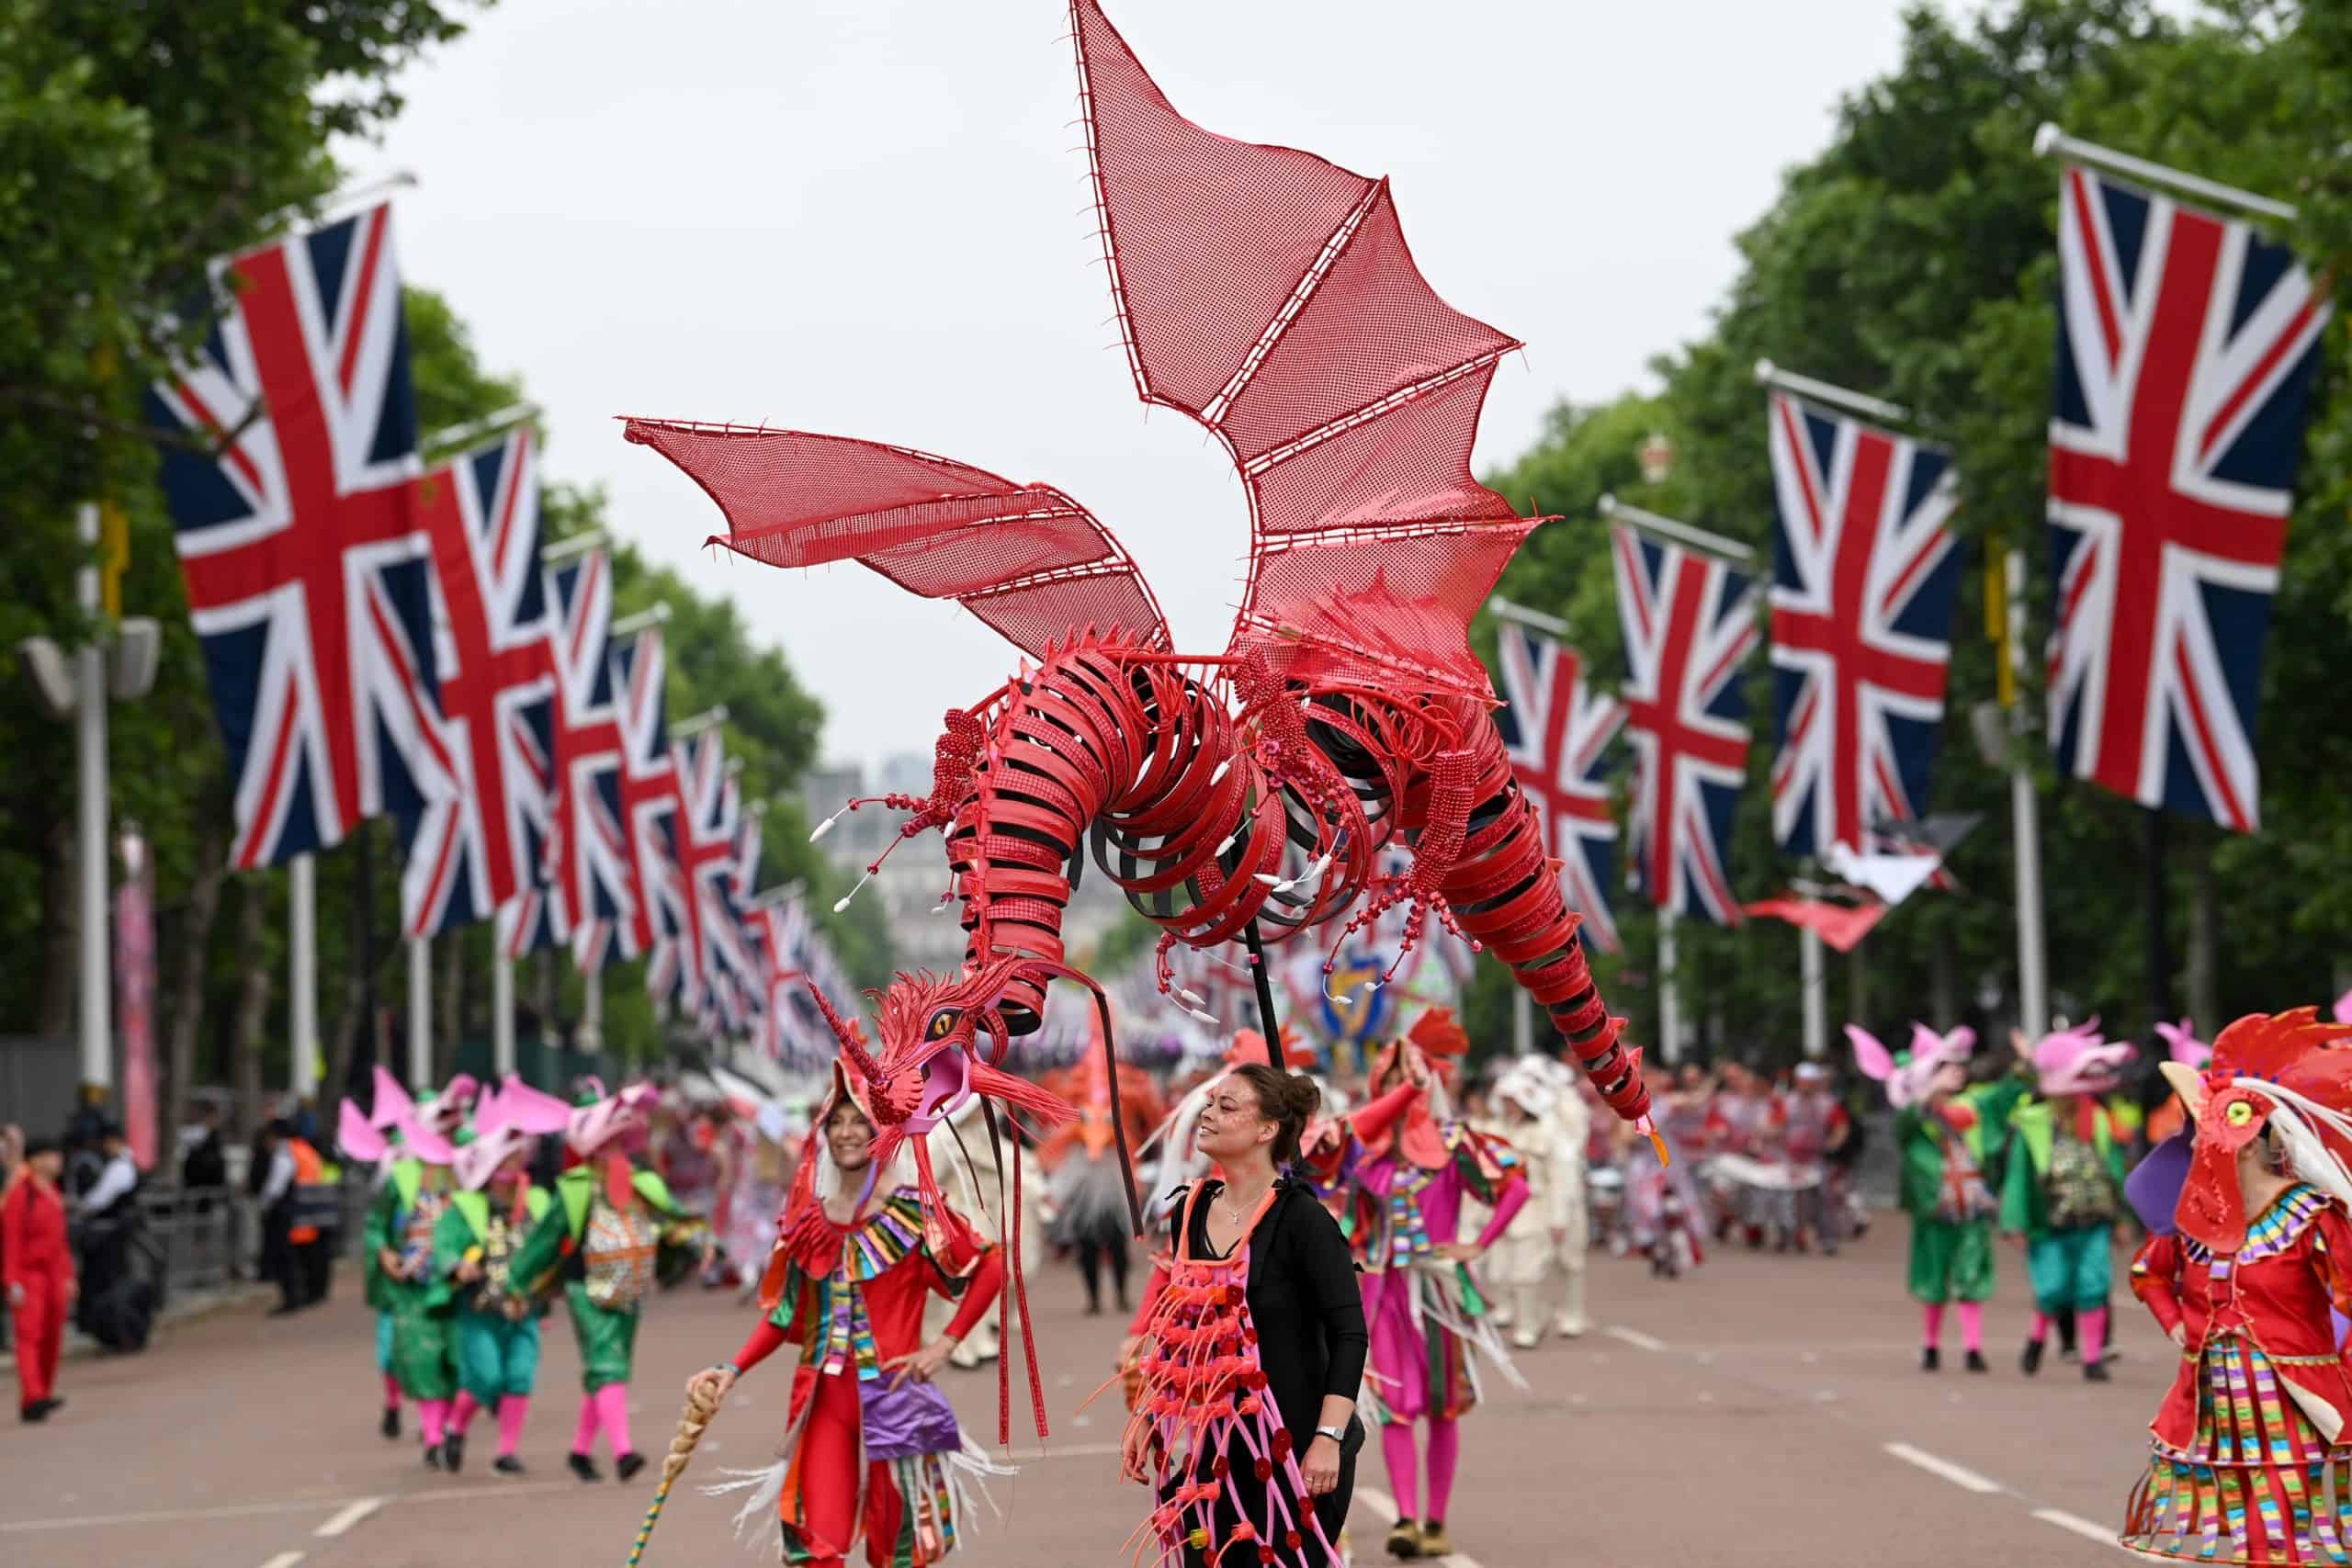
(351,1515)
(249,1510)
(1382,1504)
(2089,1530)
(1957,1475)
(1635,1336)
(284,1560)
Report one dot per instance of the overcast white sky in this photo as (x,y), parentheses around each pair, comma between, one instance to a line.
(866,217)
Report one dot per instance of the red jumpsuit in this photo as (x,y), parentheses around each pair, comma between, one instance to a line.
(851,1297)
(34,1260)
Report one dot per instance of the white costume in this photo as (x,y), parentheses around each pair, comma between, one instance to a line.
(1549,1234)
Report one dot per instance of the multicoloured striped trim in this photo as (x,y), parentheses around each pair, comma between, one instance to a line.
(2278,1228)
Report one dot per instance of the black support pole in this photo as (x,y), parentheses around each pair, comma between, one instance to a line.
(1265,984)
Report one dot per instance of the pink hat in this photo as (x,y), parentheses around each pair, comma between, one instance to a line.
(1908,1076)
(424,1143)
(505,1120)
(621,1116)
(2080,1060)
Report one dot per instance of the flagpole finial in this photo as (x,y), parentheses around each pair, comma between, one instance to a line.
(1765,370)
(2045,137)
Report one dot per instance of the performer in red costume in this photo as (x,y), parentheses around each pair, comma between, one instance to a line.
(2251,1461)
(871,1444)
(36,1274)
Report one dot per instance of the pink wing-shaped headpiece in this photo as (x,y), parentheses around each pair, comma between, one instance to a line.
(2182,1045)
(1875,1060)
(391,1101)
(359,1137)
(1269,295)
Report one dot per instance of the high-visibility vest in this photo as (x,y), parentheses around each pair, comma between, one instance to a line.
(317,1199)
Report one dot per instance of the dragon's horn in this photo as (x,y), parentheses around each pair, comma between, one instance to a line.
(853,1039)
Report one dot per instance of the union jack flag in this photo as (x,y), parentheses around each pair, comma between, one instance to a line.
(474,852)
(588,857)
(1865,579)
(304,542)
(2186,346)
(1555,729)
(703,958)
(646,797)
(1690,625)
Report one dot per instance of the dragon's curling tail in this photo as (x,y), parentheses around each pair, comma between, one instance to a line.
(698,1415)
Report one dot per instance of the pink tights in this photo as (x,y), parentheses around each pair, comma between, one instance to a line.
(607,1407)
(513,1409)
(391,1392)
(1445,1452)
(433,1420)
(1972,1325)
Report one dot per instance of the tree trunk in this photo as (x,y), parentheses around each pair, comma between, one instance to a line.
(194,953)
(2204,934)
(253,1002)
(62,921)
(1944,977)
(1858,986)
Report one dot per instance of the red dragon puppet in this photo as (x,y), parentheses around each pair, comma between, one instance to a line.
(1243,796)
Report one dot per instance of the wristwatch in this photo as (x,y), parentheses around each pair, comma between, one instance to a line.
(1334,1433)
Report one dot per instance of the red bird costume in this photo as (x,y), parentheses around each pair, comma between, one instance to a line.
(2251,1461)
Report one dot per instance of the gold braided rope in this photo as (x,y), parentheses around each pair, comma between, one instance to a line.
(696,1416)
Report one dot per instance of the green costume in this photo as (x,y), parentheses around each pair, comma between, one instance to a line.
(606,1259)
(496,1332)
(2063,1193)
(402,1219)
(1944,1190)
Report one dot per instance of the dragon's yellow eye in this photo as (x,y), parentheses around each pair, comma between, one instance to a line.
(2239,1113)
(943,1023)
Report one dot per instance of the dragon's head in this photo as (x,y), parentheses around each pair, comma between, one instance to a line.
(942,1039)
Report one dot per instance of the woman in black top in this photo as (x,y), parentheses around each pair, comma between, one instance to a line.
(1303,1304)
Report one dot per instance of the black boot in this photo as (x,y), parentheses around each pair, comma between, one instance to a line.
(2096,1372)
(432,1456)
(627,1465)
(2030,1361)
(453,1452)
(507,1464)
(1976,1361)
(392,1422)
(583,1467)
(1931,1359)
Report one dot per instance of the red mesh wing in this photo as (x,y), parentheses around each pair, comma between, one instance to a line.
(1026,558)
(1270,294)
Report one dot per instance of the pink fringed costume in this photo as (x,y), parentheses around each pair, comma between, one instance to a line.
(1402,1166)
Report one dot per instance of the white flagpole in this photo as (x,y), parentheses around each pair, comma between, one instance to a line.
(420,1014)
(95,1009)
(591,1035)
(302,999)
(1669,1004)
(1773,375)
(1681,532)
(1504,610)
(2025,810)
(501,1013)
(1522,1021)
(1816,994)
(2049,140)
